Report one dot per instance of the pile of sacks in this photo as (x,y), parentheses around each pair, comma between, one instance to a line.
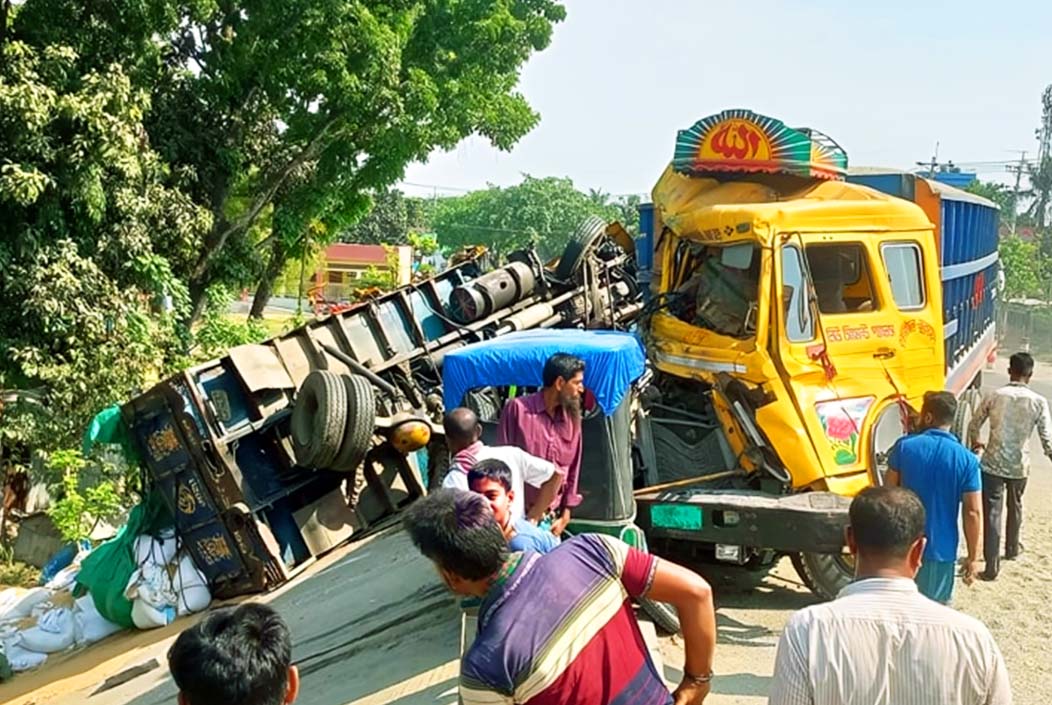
(46,620)
(166,584)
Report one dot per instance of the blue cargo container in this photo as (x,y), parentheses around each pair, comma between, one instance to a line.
(967,238)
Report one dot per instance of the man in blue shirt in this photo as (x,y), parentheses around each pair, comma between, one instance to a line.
(945,475)
(491,478)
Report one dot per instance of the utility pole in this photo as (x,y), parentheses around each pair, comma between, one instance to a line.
(934,162)
(1018,170)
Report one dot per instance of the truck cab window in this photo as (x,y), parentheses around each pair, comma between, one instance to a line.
(841,278)
(720,287)
(903,262)
(799,321)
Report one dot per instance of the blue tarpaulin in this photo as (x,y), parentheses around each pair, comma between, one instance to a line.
(612,361)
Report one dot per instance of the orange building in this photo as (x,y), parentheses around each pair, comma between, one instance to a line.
(343,263)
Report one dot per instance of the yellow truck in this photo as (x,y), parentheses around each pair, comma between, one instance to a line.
(799,311)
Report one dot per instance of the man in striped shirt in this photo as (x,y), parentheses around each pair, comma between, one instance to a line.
(559,629)
(881,642)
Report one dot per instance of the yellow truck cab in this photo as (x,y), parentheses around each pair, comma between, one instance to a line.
(802,312)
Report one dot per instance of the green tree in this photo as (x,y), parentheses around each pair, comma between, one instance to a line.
(92,233)
(313,101)
(541,213)
(386,223)
(1022,267)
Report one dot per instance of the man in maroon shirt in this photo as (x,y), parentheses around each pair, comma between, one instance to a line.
(547,424)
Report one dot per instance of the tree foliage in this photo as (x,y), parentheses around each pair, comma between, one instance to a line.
(305,105)
(386,223)
(91,236)
(539,212)
(1022,266)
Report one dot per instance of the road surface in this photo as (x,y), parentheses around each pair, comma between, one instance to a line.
(372,625)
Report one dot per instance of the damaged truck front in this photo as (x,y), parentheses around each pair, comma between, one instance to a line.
(796,321)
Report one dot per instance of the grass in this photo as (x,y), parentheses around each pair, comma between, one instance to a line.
(15,573)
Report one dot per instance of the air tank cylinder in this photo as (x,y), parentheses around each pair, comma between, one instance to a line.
(491,292)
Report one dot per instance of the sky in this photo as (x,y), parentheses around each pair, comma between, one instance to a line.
(887,80)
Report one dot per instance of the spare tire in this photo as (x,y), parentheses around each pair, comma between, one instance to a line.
(361,424)
(318,419)
(582,241)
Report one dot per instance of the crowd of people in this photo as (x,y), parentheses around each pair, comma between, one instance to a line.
(556,623)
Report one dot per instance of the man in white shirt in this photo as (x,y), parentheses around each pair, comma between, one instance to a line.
(463,438)
(881,642)
(1015,411)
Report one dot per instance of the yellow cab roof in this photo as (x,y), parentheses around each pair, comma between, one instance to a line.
(711,210)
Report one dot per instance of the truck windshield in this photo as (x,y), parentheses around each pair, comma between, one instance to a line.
(720,285)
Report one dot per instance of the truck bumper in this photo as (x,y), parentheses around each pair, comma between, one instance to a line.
(811,522)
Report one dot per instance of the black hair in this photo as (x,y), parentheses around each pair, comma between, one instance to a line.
(561,365)
(491,469)
(457,530)
(235,655)
(1021,364)
(942,406)
(461,425)
(886,521)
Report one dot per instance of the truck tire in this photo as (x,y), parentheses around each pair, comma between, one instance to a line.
(663,614)
(319,417)
(583,239)
(966,408)
(361,424)
(825,574)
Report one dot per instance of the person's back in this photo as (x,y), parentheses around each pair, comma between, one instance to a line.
(944,474)
(881,642)
(579,643)
(235,656)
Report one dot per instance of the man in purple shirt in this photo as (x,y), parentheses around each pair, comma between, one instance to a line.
(547,424)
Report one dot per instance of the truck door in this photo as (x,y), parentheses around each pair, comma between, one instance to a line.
(850,327)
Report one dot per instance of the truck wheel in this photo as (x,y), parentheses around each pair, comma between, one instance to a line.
(663,614)
(361,423)
(583,239)
(966,407)
(825,574)
(318,419)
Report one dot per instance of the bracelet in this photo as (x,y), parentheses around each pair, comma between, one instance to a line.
(697,680)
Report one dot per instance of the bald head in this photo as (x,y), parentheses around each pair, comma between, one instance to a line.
(462,428)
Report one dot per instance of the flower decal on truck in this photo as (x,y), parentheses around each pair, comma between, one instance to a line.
(842,421)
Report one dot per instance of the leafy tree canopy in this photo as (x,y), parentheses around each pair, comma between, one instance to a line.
(539,212)
(304,105)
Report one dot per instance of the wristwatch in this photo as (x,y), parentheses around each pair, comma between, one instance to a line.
(697,680)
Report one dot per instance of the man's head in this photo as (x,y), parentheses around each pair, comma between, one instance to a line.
(462,428)
(491,478)
(457,531)
(564,376)
(1021,367)
(886,534)
(939,409)
(235,656)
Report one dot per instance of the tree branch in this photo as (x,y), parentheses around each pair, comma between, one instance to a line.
(5,12)
(263,197)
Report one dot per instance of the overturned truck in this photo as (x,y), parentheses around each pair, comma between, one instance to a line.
(273,454)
